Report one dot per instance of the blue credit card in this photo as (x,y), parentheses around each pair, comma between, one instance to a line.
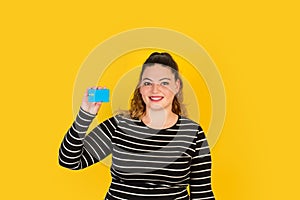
(98,95)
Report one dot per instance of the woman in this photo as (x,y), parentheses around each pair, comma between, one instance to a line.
(156,151)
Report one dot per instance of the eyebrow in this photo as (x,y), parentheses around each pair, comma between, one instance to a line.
(159,79)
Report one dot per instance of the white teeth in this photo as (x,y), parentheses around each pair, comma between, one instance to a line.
(155,98)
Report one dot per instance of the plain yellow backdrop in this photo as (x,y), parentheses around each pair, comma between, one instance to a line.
(255,45)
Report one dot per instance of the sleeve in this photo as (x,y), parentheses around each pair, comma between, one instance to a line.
(200,177)
(78,150)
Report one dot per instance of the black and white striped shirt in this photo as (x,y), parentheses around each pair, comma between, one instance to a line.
(146,163)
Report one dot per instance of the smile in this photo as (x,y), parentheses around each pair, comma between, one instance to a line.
(156,98)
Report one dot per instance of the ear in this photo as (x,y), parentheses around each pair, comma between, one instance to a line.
(177,85)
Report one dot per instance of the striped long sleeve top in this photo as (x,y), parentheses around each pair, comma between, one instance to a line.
(146,163)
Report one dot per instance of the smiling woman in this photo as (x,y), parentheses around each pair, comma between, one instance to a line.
(156,150)
(159,80)
(158,89)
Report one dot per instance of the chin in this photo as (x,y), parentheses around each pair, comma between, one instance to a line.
(157,107)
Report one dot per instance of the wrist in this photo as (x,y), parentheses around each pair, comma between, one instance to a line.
(85,118)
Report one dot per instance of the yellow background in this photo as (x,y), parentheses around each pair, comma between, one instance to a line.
(255,45)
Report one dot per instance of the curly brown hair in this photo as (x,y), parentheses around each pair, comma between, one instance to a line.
(137,105)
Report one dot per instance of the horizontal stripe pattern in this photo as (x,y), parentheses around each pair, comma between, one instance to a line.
(146,163)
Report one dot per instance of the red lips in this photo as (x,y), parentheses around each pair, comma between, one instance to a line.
(156,98)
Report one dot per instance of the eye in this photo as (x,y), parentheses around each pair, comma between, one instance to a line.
(146,83)
(165,83)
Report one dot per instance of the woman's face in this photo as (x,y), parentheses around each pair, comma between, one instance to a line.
(158,87)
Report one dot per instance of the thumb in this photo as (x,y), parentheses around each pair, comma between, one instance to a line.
(96,107)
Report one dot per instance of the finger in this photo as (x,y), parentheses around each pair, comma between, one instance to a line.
(87,91)
(97,106)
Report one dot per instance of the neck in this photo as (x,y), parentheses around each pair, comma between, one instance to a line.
(159,118)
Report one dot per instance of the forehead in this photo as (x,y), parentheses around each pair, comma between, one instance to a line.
(157,71)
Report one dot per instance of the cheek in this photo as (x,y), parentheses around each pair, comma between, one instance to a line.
(144,91)
(169,90)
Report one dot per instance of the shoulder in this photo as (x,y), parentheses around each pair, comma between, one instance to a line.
(123,117)
(199,136)
(123,120)
(185,121)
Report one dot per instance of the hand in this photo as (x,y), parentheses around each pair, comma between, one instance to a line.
(90,107)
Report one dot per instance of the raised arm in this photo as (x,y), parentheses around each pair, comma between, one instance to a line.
(200,178)
(79,150)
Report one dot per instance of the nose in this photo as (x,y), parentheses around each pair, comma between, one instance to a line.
(155,87)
